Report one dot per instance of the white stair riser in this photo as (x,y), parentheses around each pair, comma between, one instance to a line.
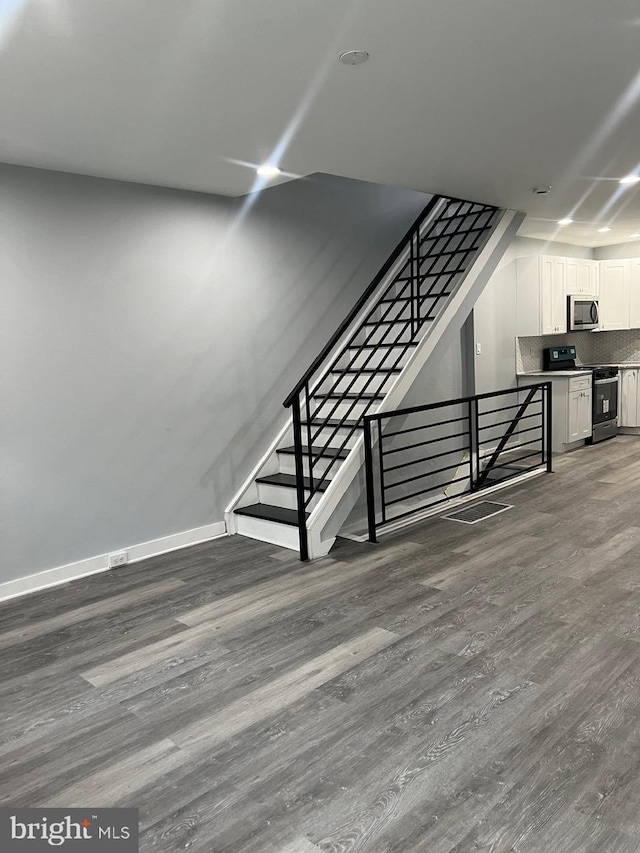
(334,436)
(288,465)
(283,496)
(269,531)
(368,382)
(400,288)
(350,409)
(387,357)
(399,332)
(399,311)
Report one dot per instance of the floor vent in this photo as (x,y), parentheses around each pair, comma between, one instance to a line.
(477,512)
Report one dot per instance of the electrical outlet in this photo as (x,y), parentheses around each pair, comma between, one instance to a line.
(120,558)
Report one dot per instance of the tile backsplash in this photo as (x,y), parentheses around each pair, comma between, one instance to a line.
(591,348)
(612,347)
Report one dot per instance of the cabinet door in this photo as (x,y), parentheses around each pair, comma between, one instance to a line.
(573,416)
(584,414)
(553,299)
(582,277)
(634,294)
(628,413)
(614,295)
(579,416)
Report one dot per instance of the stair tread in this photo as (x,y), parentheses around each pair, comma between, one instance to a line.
(330,452)
(333,422)
(290,481)
(367,370)
(404,320)
(350,396)
(268,512)
(404,344)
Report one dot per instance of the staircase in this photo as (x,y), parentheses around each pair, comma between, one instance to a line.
(308,480)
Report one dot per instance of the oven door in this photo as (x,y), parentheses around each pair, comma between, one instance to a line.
(605,400)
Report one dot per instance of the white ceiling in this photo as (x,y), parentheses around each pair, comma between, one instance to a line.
(482,99)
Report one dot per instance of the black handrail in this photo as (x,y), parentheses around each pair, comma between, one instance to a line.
(472,442)
(438,249)
(342,328)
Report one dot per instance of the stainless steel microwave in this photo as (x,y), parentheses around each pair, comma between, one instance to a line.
(582,313)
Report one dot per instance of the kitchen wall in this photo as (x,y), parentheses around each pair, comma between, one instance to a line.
(614,253)
(591,348)
(529,350)
(614,347)
(149,339)
(494,315)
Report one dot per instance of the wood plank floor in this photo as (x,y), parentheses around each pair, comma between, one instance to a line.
(452,689)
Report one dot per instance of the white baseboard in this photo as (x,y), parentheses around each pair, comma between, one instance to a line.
(100,563)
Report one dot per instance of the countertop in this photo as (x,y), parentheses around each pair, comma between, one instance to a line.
(620,364)
(549,374)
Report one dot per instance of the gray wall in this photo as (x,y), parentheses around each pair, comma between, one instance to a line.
(494,315)
(614,253)
(149,339)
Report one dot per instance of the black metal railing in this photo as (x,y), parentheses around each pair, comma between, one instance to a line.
(417,458)
(356,368)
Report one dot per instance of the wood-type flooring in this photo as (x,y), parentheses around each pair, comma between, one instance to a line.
(454,689)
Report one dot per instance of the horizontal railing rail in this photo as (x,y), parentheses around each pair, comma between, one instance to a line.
(352,374)
(406,450)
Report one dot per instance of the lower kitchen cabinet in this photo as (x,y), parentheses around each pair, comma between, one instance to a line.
(629,409)
(579,415)
(571,398)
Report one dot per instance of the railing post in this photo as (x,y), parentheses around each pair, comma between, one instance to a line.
(297,442)
(549,428)
(368,473)
(472,444)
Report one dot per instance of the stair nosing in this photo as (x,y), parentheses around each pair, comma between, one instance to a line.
(356,370)
(348,396)
(293,485)
(242,511)
(334,423)
(322,453)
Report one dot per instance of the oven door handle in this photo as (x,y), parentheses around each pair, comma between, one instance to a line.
(605,381)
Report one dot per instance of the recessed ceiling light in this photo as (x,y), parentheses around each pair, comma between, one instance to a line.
(635,236)
(630,179)
(267,171)
(604,230)
(354,57)
(565,221)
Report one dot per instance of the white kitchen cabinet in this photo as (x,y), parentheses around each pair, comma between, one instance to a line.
(579,415)
(541,299)
(582,277)
(615,289)
(571,397)
(628,414)
(634,293)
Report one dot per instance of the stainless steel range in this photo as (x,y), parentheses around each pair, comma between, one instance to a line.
(605,403)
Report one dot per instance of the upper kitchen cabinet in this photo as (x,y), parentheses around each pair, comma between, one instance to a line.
(583,277)
(615,295)
(634,293)
(541,295)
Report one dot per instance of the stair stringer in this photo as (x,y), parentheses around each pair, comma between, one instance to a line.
(332,510)
(267,463)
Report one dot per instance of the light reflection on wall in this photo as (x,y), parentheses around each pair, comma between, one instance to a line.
(9,14)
